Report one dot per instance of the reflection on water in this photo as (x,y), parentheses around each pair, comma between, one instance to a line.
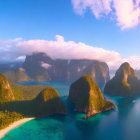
(122,123)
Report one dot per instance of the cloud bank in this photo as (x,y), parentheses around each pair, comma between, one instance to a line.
(17,49)
(125,12)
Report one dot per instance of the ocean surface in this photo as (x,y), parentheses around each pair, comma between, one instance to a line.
(122,123)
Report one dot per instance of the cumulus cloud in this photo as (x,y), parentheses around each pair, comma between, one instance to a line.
(63,50)
(125,12)
(7,52)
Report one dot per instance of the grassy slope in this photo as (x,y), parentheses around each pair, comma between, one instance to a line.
(21,106)
(49,102)
(28,92)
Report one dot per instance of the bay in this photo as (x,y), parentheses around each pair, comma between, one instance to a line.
(122,123)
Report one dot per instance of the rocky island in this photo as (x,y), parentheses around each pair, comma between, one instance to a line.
(15,105)
(124,83)
(7,95)
(87,97)
(49,102)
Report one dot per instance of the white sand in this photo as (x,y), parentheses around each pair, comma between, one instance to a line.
(4,131)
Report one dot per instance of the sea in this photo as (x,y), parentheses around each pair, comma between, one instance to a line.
(123,123)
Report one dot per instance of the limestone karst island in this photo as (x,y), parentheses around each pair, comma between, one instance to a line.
(124,83)
(69,69)
(87,97)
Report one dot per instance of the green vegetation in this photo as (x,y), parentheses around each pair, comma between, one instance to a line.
(20,75)
(87,96)
(6,118)
(17,101)
(124,83)
(16,92)
(17,76)
(49,102)
(6,93)
(26,92)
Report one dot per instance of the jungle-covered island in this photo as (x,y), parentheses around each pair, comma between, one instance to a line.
(124,83)
(87,97)
(18,102)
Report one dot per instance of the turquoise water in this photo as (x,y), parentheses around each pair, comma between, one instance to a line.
(122,123)
(61,86)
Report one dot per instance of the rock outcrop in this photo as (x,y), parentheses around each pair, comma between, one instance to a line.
(87,97)
(6,93)
(99,71)
(41,65)
(49,102)
(124,83)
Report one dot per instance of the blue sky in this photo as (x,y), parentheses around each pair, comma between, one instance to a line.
(44,19)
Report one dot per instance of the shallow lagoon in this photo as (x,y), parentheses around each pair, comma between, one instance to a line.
(122,123)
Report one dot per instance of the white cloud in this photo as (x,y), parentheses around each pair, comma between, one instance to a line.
(64,50)
(97,7)
(134,61)
(10,40)
(45,65)
(125,12)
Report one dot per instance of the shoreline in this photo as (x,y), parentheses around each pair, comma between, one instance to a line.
(16,124)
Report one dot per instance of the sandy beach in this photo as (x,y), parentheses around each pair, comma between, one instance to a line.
(4,131)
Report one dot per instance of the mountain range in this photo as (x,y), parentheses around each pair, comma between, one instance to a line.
(41,67)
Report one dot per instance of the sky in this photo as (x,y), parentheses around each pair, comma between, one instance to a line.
(106,30)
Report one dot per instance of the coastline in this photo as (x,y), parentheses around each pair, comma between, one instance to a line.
(4,131)
(95,113)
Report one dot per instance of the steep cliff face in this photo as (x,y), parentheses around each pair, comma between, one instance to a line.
(49,102)
(138,73)
(87,96)
(36,66)
(41,65)
(6,93)
(99,71)
(124,83)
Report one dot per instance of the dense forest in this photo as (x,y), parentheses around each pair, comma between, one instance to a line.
(16,101)
(7,118)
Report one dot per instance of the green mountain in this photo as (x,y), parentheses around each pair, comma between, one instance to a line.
(6,93)
(17,75)
(87,97)
(26,92)
(20,75)
(124,83)
(49,102)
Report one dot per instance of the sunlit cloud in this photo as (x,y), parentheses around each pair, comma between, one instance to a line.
(125,12)
(63,50)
